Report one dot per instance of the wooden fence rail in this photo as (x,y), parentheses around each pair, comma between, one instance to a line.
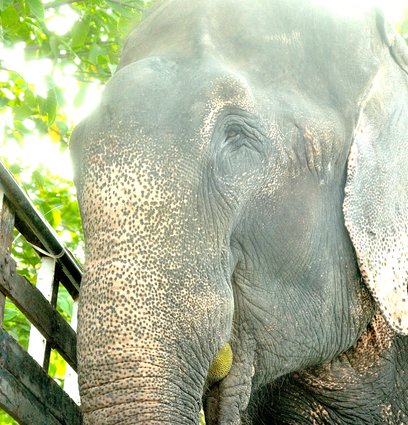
(27,393)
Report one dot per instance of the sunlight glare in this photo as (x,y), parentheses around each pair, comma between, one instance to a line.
(38,152)
(61,21)
(13,58)
(393,9)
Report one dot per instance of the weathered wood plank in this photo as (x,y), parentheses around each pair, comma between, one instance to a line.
(20,404)
(27,393)
(6,224)
(6,237)
(2,308)
(37,309)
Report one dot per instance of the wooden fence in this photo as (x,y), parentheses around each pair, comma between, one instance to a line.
(27,392)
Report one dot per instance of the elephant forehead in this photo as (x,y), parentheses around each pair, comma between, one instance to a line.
(189,27)
(268,40)
(226,92)
(161,88)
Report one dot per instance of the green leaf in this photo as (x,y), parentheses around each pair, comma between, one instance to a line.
(94,53)
(59,95)
(51,106)
(42,105)
(79,33)
(30,99)
(54,45)
(4,4)
(22,112)
(56,217)
(16,324)
(102,60)
(52,368)
(38,179)
(10,19)
(64,304)
(3,102)
(11,314)
(37,8)
(6,419)
(15,169)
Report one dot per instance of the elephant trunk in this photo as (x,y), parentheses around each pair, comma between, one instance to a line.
(140,352)
(155,306)
(138,390)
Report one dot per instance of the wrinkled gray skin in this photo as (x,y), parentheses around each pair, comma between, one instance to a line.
(245,179)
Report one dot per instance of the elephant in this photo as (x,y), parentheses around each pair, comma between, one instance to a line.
(243,191)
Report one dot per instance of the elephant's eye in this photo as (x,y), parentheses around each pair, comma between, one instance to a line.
(240,147)
(232,133)
(238,136)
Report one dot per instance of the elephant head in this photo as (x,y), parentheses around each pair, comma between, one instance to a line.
(242,185)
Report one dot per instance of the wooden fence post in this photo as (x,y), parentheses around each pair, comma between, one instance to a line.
(6,238)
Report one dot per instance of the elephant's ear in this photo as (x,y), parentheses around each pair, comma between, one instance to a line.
(376,194)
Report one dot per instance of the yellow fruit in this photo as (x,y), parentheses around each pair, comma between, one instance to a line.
(221,364)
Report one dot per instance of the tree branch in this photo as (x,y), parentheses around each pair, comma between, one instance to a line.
(121,3)
(55,4)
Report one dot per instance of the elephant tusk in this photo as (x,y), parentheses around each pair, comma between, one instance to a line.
(221,364)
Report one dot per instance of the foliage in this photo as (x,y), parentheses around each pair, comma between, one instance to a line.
(88,51)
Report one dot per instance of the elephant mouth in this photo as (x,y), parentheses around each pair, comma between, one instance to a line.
(211,405)
(219,369)
(220,406)
(229,384)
